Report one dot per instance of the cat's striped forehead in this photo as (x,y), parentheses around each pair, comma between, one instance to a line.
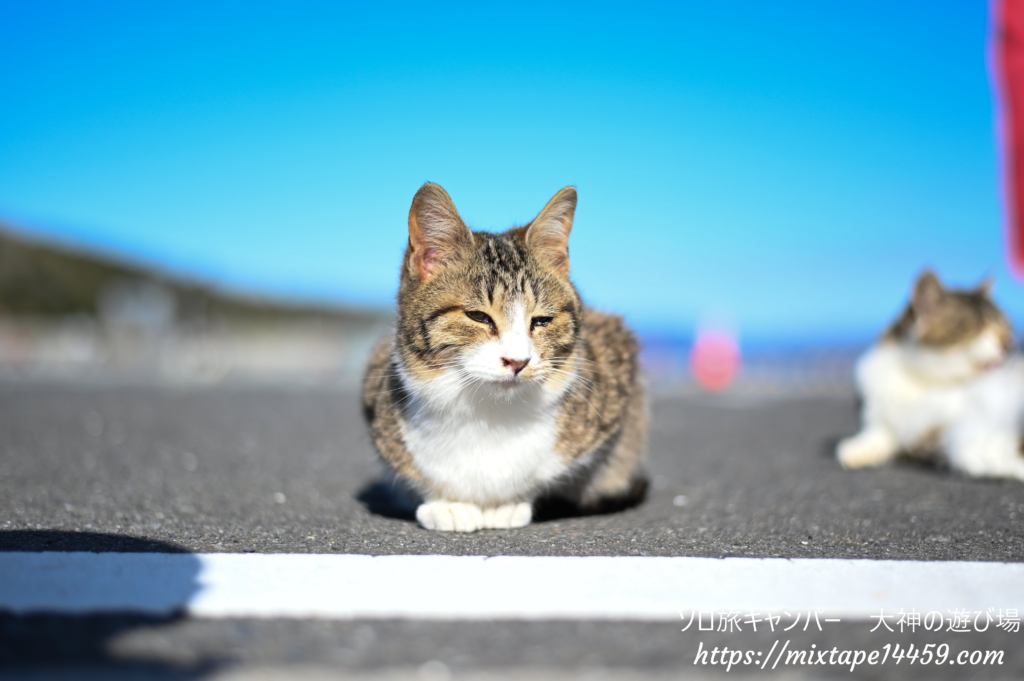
(941,318)
(961,317)
(503,269)
(502,253)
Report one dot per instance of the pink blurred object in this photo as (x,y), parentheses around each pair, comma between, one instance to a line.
(1008,60)
(715,359)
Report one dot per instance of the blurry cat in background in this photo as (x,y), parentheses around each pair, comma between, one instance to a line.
(942,380)
(499,385)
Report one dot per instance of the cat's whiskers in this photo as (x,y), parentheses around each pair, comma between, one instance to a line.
(570,358)
(560,363)
(444,365)
(452,391)
(569,364)
(574,374)
(587,384)
(402,387)
(476,389)
(580,395)
(578,362)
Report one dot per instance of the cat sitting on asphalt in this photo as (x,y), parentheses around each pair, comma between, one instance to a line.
(499,385)
(942,381)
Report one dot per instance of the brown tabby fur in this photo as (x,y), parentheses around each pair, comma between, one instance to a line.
(938,317)
(447,273)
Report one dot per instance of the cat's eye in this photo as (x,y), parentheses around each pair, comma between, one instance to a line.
(478,316)
(540,321)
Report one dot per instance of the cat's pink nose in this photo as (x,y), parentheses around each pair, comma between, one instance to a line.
(517,365)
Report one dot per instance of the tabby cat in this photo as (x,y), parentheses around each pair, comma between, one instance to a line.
(499,385)
(942,380)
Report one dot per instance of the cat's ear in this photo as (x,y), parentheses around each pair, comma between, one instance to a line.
(986,285)
(437,234)
(928,293)
(548,234)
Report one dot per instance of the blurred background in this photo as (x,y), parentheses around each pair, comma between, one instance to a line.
(219,191)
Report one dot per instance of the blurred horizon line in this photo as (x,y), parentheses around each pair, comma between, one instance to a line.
(681,332)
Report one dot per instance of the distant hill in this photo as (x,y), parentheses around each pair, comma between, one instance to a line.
(39,279)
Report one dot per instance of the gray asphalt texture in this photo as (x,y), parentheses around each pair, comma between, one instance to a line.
(264,469)
(204,471)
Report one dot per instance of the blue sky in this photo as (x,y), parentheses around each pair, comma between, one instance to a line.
(785,166)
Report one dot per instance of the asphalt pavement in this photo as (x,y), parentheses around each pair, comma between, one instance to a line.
(104,467)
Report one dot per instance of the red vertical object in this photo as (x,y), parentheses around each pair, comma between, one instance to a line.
(1008,60)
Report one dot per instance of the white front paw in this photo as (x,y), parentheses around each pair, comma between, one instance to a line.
(508,516)
(871,448)
(450,516)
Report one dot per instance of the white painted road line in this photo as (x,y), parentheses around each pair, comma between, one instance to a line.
(505,587)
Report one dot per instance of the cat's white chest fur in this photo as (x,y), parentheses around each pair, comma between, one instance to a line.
(976,423)
(483,446)
(909,408)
